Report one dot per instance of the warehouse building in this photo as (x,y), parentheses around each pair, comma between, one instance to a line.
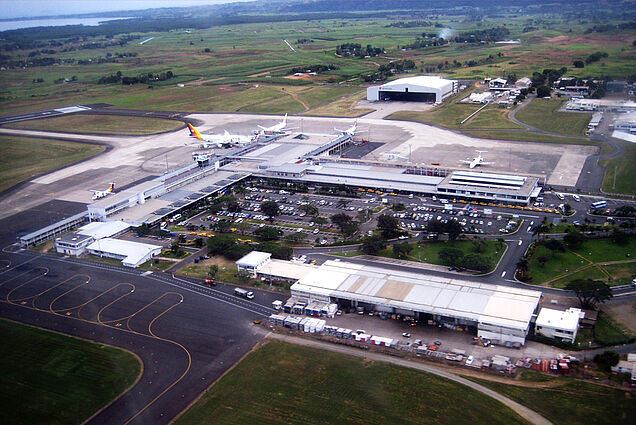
(414,89)
(131,254)
(501,314)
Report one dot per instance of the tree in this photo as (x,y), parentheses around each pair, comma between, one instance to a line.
(268,233)
(198,242)
(543,91)
(243,227)
(401,250)
(579,64)
(542,260)
(310,210)
(295,237)
(243,276)
(320,221)
(182,238)
(212,271)
(453,228)
(341,220)
(574,239)
(175,248)
(606,360)
(477,262)
(554,245)
(350,228)
(373,244)
(590,292)
(270,209)
(233,207)
(388,225)
(222,226)
(450,256)
(219,244)
(435,226)
(479,245)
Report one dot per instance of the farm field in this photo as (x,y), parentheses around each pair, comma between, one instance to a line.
(54,379)
(101,124)
(294,384)
(544,114)
(566,263)
(566,401)
(22,158)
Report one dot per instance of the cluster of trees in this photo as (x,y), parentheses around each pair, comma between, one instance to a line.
(611,27)
(141,78)
(595,57)
(452,228)
(313,68)
(409,24)
(427,40)
(304,41)
(386,70)
(355,49)
(228,247)
(487,35)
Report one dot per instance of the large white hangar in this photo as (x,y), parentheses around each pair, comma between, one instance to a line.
(423,88)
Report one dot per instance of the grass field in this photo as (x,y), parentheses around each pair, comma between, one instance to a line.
(22,158)
(343,107)
(54,379)
(283,383)
(102,124)
(543,114)
(571,401)
(491,118)
(596,251)
(620,173)
(448,115)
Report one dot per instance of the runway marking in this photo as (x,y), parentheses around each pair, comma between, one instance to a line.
(27,261)
(22,274)
(84,304)
(99,313)
(35,296)
(118,327)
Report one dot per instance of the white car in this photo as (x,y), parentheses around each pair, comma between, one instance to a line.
(470,360)
(316,231)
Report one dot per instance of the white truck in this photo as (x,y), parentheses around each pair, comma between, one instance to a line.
(243,293)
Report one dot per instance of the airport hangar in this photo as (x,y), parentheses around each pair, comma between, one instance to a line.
(422,88)
(501,314)
(287,157)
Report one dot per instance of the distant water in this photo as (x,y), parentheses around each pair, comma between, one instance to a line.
(14,25)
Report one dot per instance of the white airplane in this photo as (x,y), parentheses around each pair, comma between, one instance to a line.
(351,131)
(276,128)
(478,160)
(98,194)
(224,140)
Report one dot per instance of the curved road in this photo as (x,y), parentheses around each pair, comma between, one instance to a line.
(524,412)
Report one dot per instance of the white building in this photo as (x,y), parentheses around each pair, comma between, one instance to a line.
(558,324)
(130,253)
(499,313)
(497,83)
(253,261)
(100,230)
(419,89)
(72,244)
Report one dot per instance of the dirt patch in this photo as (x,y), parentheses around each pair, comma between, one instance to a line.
(260,74)
(305,77)
(623,312)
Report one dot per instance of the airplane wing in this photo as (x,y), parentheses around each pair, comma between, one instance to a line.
(465,161)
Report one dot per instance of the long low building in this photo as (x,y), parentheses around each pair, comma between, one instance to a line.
(500,313)
(130,253)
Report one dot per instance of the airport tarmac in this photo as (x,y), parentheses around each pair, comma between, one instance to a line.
(132,158)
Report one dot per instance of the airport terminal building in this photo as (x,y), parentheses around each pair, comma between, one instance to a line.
(501,314)
(414,89)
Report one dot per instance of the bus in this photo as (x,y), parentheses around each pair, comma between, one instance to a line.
(599,204)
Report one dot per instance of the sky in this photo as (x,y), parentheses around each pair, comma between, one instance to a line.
(29,8)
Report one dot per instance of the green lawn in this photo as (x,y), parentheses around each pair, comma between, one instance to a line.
(48,378)
(543,114)
(491,117)
(573,402)
(446,115)
(606,332)
(22,158)
(104,124)
(596,250)
(285,383)
(620,173)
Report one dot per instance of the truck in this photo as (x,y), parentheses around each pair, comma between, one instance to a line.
(240,292)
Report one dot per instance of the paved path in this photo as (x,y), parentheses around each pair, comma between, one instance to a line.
(529,415)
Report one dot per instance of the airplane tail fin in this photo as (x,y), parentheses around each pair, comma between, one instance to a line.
(285,119)
(111,188)
(194,132)
(226,133)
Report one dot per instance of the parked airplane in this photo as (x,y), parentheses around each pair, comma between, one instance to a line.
(98,194)
(351,131)
(224,140)
(277,128)
(478,160)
